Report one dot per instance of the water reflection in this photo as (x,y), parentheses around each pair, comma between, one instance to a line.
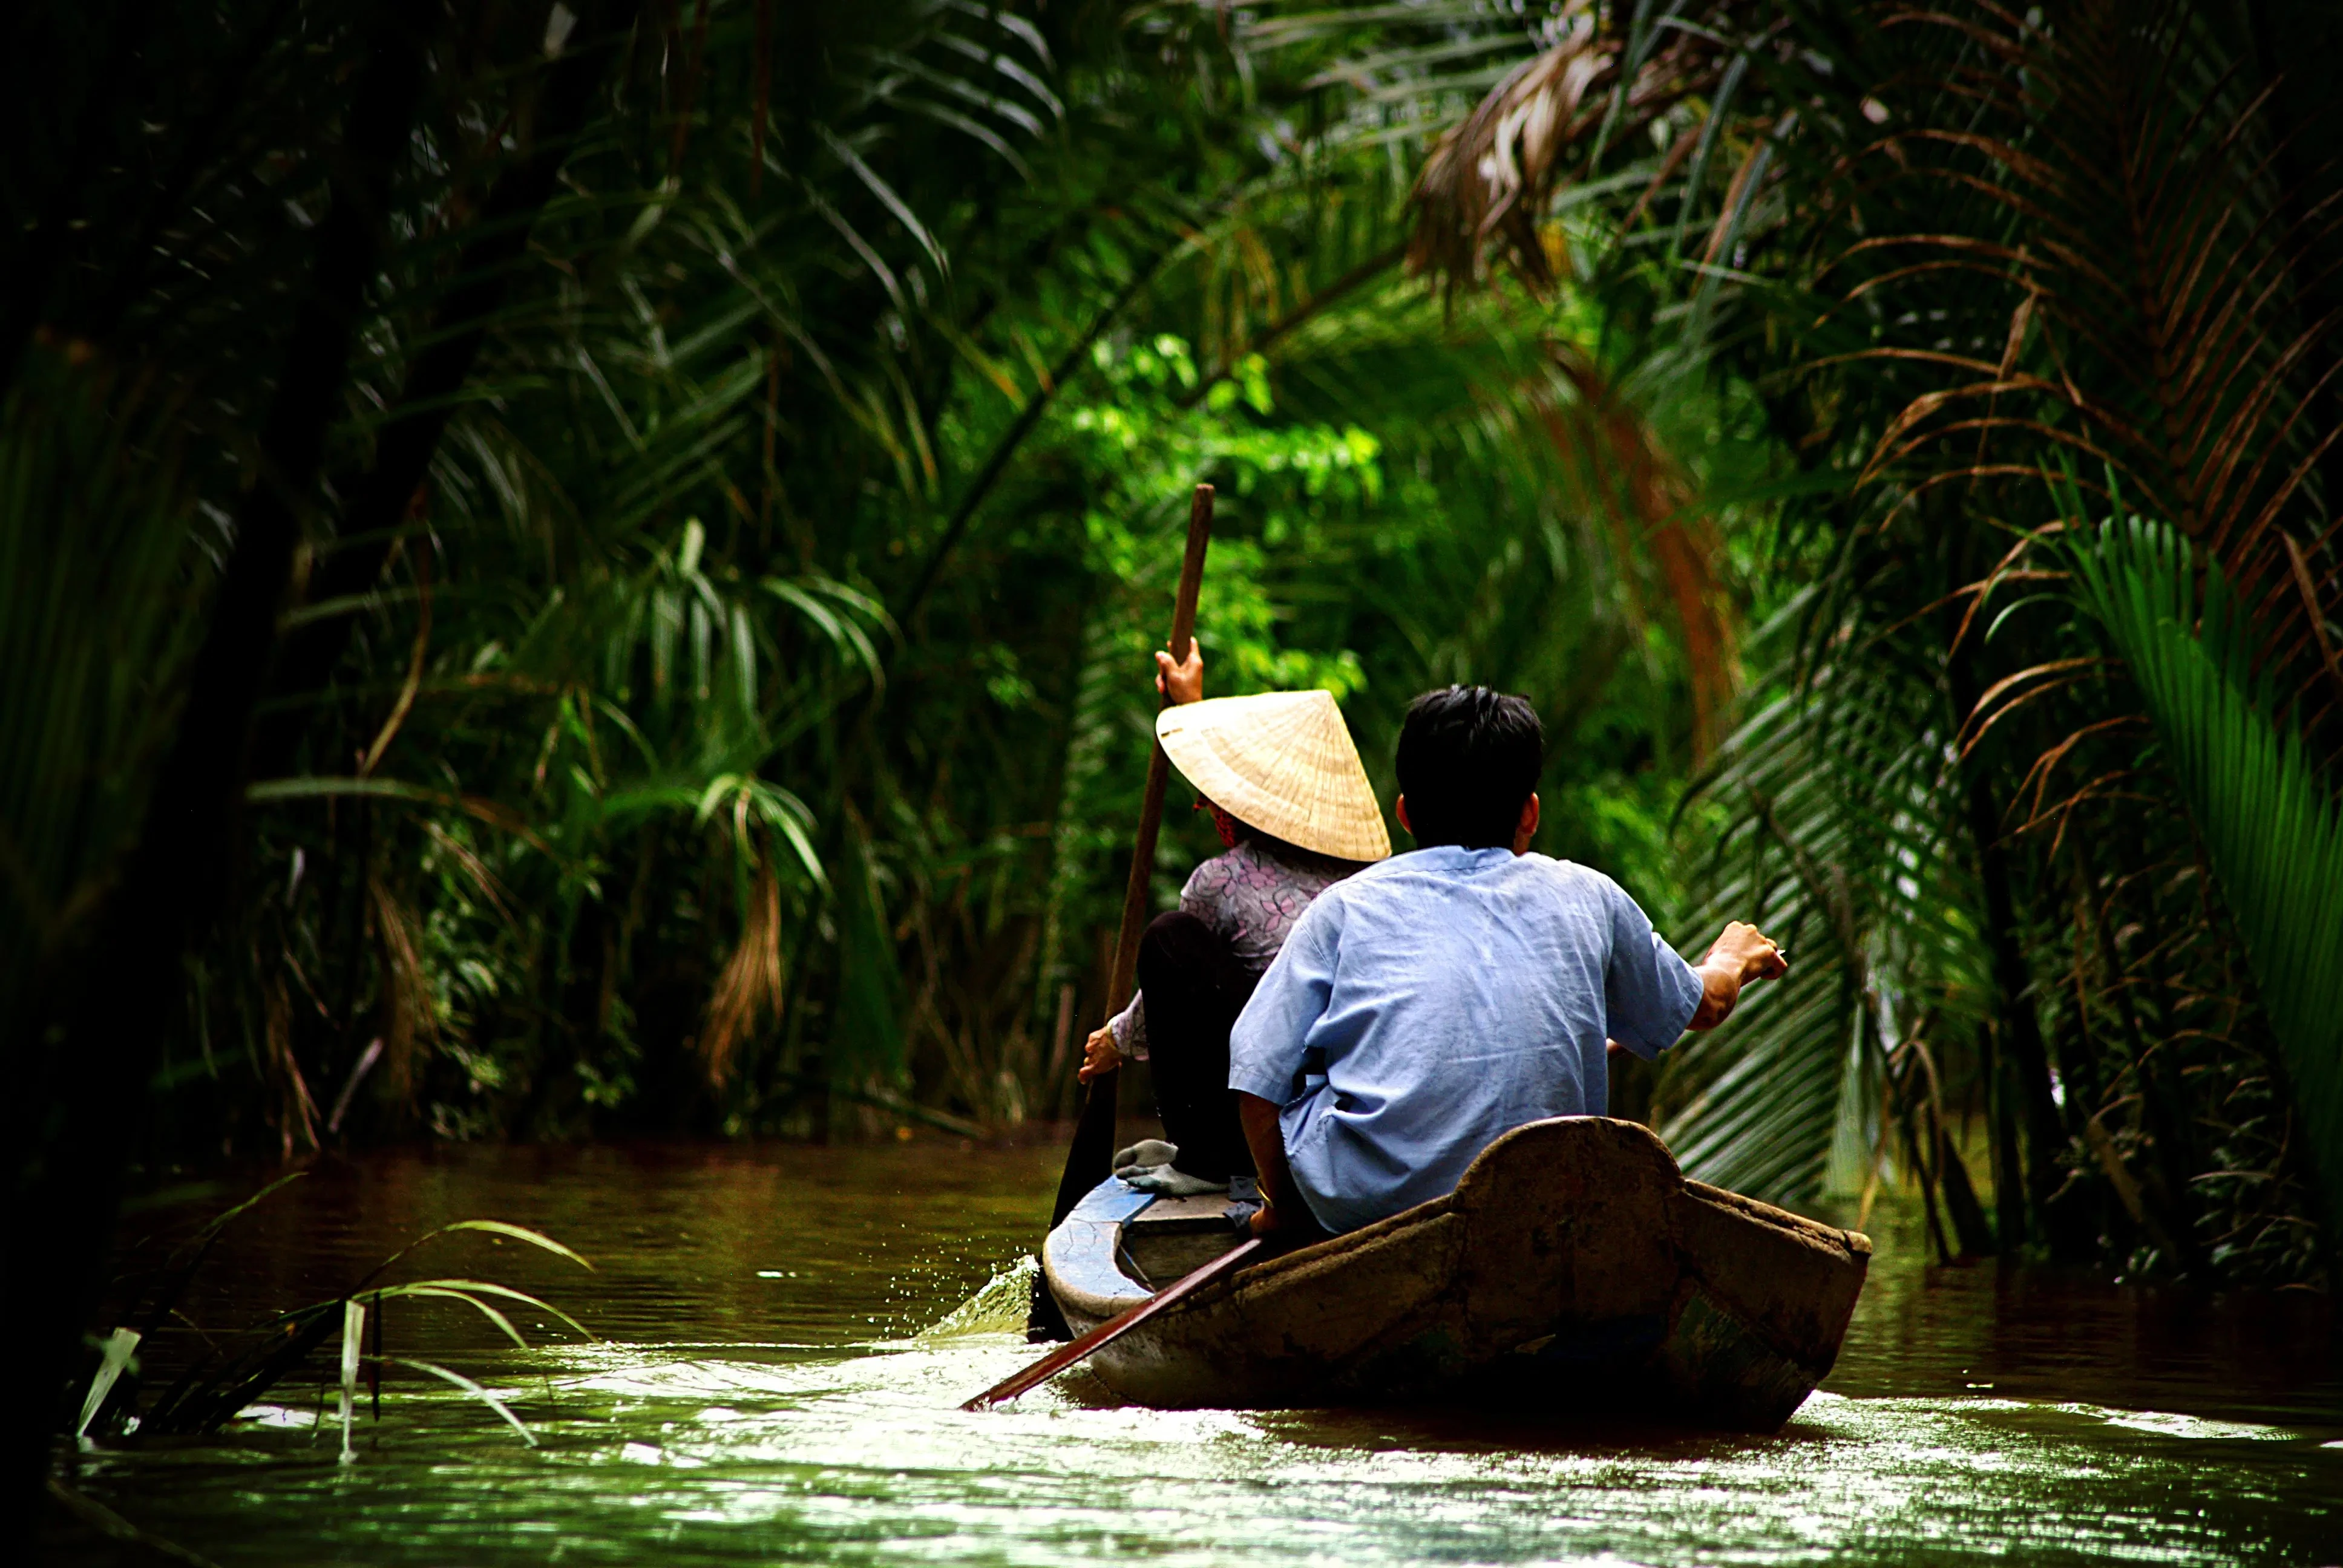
(762,1395)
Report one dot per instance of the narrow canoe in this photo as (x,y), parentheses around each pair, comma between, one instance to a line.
(1574,1268)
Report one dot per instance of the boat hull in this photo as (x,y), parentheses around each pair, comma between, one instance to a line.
(1574,1268)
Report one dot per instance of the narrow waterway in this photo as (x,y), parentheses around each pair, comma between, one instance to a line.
(769,1383)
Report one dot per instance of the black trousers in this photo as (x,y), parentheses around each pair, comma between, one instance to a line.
(1194,989)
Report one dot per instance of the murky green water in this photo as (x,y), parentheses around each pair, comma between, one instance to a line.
(762,1393)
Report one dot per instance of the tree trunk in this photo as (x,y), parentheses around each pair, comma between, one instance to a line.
(2020,1048)
(2010,1230)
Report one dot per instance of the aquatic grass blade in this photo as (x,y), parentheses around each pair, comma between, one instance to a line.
(353,1315)
(117,1356)
(519,1233)
(503,1323)
(468,1386)
(492,1227)
(465,1289)
(221,1221)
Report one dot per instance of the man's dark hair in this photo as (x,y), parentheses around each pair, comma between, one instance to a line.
(1468,757)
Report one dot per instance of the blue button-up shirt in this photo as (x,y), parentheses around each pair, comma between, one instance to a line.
(1428,1005)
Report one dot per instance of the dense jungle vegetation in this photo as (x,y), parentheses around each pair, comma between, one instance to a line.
(587,569)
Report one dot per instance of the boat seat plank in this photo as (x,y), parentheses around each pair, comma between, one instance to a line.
(1174,1236)
(1201,1210)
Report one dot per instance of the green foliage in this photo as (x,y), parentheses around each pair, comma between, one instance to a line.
(218,1379)
(1946,252)
(102,580)
(1841,845)
(90,633)
(2271,825)
(738,729)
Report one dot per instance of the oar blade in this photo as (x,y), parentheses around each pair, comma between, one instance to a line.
(1114,1328)
(1051,1365)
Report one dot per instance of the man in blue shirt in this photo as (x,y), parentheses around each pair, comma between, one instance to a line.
(1427,1005)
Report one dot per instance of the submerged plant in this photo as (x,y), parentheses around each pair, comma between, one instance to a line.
(235,1370)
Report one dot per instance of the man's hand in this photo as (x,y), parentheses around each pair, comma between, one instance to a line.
(1750,950)
(1100,1053)
(1266,1138)
(1743,954)
(1181,682)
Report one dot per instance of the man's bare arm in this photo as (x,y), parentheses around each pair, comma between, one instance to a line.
(1267,1141)
(1743,954)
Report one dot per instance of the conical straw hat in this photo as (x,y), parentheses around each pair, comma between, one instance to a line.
(1283,762)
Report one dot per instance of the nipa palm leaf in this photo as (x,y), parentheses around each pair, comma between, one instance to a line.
(1838,847)
(2270,828)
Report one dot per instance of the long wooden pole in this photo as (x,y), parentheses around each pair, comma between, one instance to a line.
(1115,1327)
(1091,1158)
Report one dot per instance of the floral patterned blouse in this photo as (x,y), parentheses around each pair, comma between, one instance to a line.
(1250,898)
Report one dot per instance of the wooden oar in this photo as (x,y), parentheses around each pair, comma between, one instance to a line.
(1090,1160)
(1115,1327)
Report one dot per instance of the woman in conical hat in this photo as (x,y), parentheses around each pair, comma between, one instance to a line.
(1285,788)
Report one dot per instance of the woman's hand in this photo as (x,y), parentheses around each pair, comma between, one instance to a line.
(1100,1053)
(1181,682)
(1264,1221)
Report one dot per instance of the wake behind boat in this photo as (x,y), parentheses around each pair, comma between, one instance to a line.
(1574,1269)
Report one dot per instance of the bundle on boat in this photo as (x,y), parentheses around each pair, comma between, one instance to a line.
(1573,1270)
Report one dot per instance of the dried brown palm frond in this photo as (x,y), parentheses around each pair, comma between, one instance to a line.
(1491,180)
(1656,511)
(750,989)
(292,1111)
(410,1010)
(2035,237)
(1954,249)
(2079,250)
(2151,269)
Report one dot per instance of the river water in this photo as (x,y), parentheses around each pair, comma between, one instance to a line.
(768,1383)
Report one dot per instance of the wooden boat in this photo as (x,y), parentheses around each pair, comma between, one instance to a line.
(1574,1269)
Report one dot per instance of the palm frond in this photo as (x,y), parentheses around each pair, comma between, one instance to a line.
(1593,90)
(2270,824)
(1835,839)
(105,571)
